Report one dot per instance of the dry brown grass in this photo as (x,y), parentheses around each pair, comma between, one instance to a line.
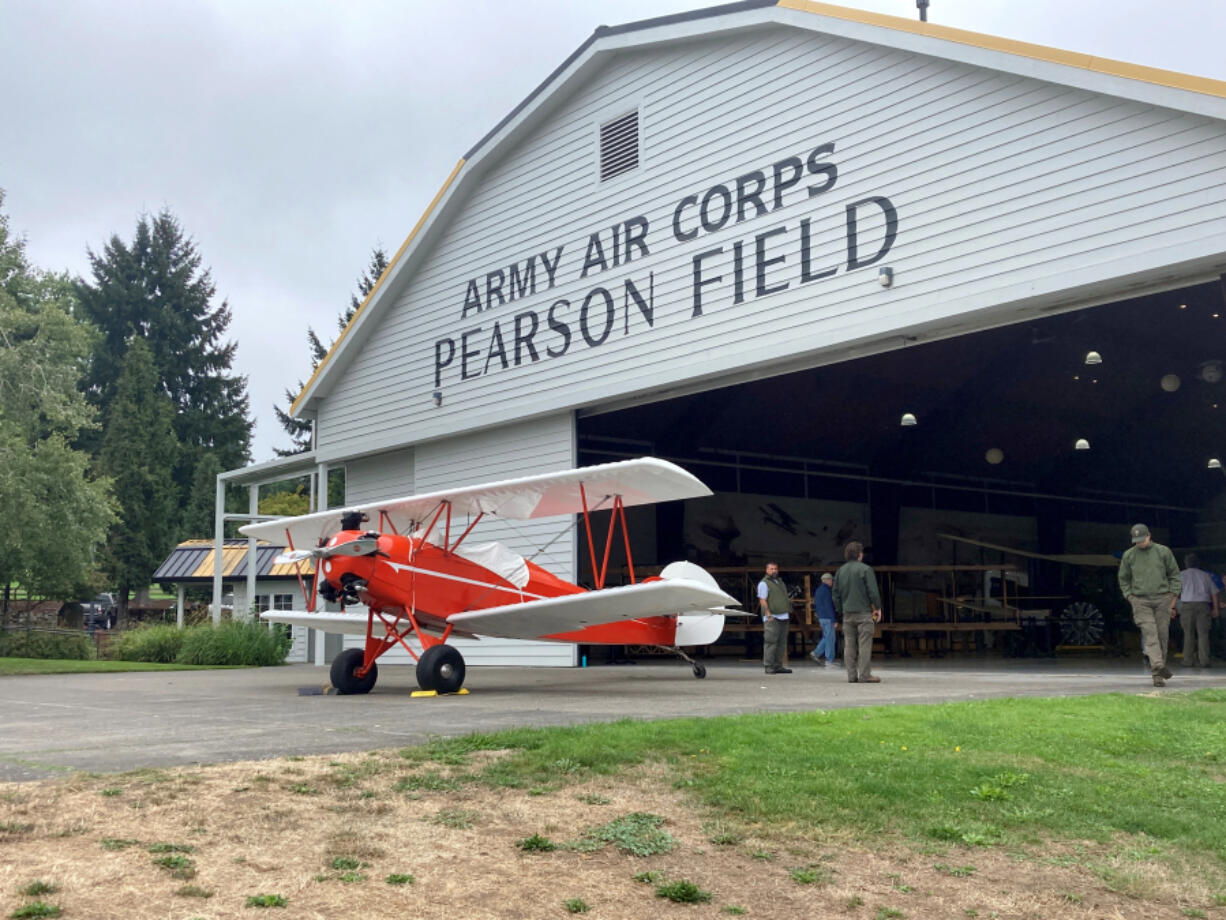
(276,827)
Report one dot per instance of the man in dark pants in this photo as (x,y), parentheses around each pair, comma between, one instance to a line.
(1149,580)
(823,603)
(1198,604)
(775,606)
(858,601)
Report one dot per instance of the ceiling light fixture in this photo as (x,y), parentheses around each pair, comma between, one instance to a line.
(1215,464)
(1170,383)
(994,455)
(1082,444)
(908,420)
(1093,357)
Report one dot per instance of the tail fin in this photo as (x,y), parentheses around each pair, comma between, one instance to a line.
(700,628)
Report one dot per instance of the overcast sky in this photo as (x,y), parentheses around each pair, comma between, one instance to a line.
(291,138)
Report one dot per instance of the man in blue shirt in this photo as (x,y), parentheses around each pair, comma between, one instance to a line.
(823,603)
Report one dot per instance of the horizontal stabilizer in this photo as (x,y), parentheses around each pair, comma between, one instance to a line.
(573,612)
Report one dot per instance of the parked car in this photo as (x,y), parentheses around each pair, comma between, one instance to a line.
(99,613)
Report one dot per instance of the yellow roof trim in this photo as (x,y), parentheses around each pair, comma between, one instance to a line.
(378,284)
(1154,75)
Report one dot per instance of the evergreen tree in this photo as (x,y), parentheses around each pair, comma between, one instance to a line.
(199,517)
(299,429)
(154,288)
(57,511)
(139,452)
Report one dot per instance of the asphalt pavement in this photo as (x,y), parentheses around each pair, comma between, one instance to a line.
(55,724)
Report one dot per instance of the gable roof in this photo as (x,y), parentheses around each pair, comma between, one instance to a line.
(1151,85)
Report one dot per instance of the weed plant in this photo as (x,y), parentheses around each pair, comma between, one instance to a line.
(267,900)
(536,844)
(682,892)
(39,888)
(34,910)
(638,834)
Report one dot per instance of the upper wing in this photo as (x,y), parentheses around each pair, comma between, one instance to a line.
(638,482)
(550,616)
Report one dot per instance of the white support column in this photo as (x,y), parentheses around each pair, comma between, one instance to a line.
(253,507)
(319,501)
(219,534)
(179,608)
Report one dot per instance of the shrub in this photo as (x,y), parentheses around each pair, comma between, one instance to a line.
(148,643)
(236,643)
(20,643)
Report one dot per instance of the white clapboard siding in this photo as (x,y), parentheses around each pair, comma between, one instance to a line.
(387,475)
(541,446)
(1013,194)
(297,653)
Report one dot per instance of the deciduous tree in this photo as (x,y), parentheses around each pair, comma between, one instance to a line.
(57,511)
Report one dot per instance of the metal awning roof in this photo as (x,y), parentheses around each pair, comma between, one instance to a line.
(194,561)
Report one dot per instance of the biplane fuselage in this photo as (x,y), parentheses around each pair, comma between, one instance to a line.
(407,573)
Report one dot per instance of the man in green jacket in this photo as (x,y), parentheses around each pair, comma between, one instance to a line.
(858,601)
(1149,578)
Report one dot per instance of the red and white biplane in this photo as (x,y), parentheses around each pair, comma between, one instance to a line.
(423,583)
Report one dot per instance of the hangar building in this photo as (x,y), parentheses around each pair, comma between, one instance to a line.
(761,239)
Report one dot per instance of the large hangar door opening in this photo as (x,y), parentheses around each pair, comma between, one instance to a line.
(803,462)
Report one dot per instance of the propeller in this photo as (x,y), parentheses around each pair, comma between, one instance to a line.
(362,546)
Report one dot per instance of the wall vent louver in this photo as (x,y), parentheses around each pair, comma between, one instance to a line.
(619,145)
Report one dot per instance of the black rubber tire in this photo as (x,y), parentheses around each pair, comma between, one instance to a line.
(343,678)
(700,671)
(441,668)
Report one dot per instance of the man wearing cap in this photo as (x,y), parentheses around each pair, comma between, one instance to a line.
(1149,578)
(823,603)
(775,606)
(1198,602)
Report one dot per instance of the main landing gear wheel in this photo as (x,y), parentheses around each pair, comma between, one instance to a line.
(700,671)
(440,668)
(343,677)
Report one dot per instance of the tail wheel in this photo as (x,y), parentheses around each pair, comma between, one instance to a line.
(440,668)
(700,671)
(343,677)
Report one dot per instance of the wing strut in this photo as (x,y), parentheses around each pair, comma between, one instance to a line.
(309,598)
(617,513)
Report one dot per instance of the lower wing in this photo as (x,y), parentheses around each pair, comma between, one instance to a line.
(560,617)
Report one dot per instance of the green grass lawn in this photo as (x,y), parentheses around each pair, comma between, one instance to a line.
(9,666)
(1143,773)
